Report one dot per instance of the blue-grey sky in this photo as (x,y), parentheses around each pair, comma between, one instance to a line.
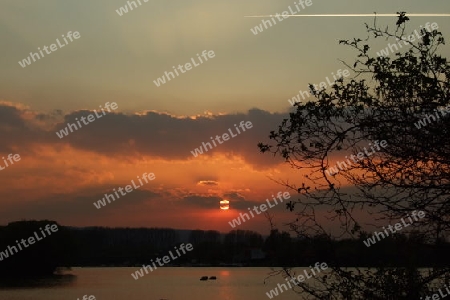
(118,57)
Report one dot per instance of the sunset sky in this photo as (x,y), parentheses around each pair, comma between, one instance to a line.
(117,58)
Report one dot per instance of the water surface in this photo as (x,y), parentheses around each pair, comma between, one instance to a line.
(163,283)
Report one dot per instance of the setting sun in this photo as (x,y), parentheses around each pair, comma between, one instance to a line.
(224,204)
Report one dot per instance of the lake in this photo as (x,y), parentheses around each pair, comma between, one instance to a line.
(163,283)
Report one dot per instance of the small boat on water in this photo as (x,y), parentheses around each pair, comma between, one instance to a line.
(203,278)
(212,278)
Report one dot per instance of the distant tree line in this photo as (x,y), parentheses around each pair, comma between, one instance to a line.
(101,246)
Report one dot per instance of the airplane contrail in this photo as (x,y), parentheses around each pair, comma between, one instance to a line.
(356,15)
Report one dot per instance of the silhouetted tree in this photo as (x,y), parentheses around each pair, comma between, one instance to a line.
(384,101)
(43,257)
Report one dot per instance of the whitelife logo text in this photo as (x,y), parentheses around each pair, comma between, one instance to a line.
(391,48)
(341,166)
(225,137)
(128,189)
(162,80)
(398,226)
(48,228)
(27,61)
(166,259)
(323,85)
(282,16)
(124,9)
(263,207)
(300,278)
(90,118)
(16,158)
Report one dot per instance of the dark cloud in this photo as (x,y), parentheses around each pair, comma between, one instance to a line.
(76,205)
(234,196)
(10,118)
(18,130)
(155,134)
(206,202)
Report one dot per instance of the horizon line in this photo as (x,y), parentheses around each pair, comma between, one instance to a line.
(355,15)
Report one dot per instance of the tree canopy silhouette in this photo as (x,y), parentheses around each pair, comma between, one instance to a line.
(43,257)
(383,101)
